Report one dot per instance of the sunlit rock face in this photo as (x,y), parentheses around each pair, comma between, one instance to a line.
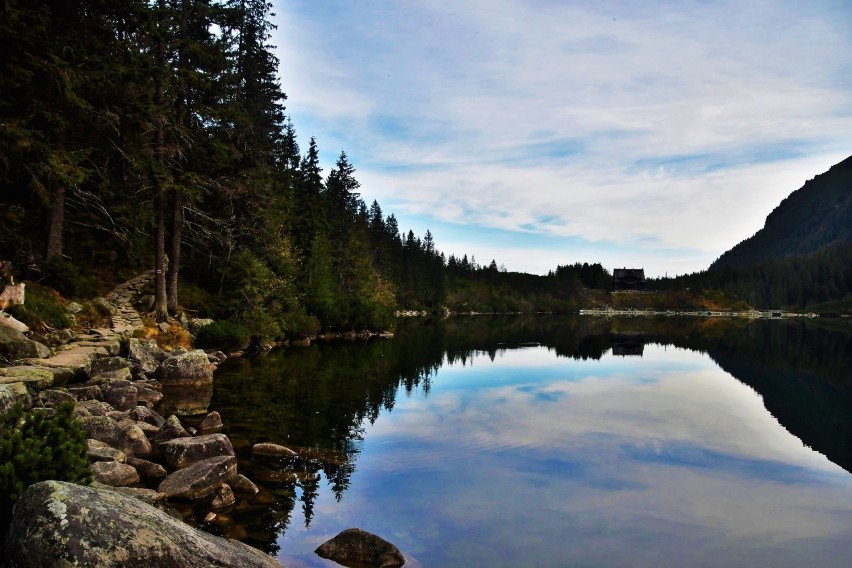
(60,524)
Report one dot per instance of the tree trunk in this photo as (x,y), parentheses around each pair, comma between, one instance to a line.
(56,222)
(174,252)
(160,305)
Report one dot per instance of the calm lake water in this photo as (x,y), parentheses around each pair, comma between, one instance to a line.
(554,441)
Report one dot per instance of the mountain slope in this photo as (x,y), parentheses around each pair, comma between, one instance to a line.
(815,216)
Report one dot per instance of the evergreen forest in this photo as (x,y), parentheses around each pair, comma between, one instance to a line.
(142,134)
(139,135)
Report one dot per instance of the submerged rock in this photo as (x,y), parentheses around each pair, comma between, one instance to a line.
(199,480)
(356,547)
(59,524)
(272,450)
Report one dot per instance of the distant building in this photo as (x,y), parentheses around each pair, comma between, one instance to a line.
(628,279)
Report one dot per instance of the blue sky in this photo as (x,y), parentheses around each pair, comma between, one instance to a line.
(545,132)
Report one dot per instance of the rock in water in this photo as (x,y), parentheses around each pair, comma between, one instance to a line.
(58,524)
(355,547)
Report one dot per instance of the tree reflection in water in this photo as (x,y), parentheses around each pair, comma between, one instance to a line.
(316,400)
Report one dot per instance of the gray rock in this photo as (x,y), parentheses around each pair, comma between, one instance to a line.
(86,392)
(101,451)
(93,407)
(78,359)
(272,450)
(357,547)
(147,496)
(110,368)
(15,345)
(121,397)
(51,398)
(192,367)
(58,337)
(114,473)
(183,452)
(224,497)
(12,393)
(128,438)
(144,414)
(149,429)
(103,305)
(73,308)
(144,355)
(10,322)
(243,484)
(148,396)
(216,357)
(195,324)
(199,480)
(171,429)
(147,469)
(37,377)
(212,424)
(57,525)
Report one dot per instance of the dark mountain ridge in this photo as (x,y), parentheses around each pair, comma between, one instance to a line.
(816,216)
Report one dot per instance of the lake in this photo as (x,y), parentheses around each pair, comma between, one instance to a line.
(554,441)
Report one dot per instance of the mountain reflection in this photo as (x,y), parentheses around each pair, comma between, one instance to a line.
(317,400)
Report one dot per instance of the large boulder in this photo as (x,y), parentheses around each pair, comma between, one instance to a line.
(15,345)
(121,395)
(128,438)
(37,377)
(192,367)
(144,355)
(110,368)
(355,547)
(199,480)
(78,359)
(57,525)
(183,452)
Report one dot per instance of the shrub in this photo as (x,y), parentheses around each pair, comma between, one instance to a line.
(222,334)
(43,309)
(36,448)
(66,277)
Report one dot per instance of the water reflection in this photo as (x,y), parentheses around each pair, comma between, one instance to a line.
(476,442)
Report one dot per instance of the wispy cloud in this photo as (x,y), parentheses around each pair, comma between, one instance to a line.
(658,134)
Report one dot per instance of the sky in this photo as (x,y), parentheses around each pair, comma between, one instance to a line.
(538,133)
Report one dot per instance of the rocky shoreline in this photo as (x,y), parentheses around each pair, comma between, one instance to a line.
(132,398)
(129,396)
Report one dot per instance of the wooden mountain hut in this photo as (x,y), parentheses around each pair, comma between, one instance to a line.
(628,279)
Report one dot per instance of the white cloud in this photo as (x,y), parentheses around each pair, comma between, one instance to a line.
(677,126)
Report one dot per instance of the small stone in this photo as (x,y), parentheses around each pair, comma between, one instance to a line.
(224,497)
(212,424)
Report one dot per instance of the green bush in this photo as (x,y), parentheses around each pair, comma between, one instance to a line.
(66,277)
(223,334)
(43,308)
(36,448)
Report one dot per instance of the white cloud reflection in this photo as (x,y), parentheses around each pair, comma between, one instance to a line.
(664,460)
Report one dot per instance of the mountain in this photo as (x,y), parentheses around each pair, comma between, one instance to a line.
(816,216)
